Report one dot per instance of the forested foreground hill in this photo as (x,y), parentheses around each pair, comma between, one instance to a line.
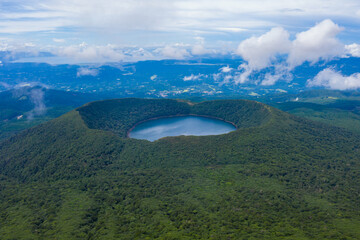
(276,177)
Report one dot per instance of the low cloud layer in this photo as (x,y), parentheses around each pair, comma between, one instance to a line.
(173,52)
(275,47)
(329,78)
(199,47)
(90,54)
(87,53)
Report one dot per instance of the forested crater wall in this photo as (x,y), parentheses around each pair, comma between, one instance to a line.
(120,115)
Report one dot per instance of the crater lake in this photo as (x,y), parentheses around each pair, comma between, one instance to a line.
(180,125)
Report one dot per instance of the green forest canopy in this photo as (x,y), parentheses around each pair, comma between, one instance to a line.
(277,176)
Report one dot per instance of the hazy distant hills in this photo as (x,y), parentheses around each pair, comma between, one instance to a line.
(277,177)
(166,78)
(27,106)
(22,100)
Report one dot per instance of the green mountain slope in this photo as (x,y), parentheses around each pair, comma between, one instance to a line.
(277,177)
(340,113)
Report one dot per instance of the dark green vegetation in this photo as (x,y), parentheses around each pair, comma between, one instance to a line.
(341,109)
(277,177)
(330,114)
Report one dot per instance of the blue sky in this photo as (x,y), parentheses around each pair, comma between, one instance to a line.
(112,30)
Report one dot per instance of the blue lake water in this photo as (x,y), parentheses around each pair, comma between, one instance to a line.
(176,126)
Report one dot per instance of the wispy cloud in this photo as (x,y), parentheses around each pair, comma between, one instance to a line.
(226,69)
(36,94)
(193,77)
(37,97)
(83,71)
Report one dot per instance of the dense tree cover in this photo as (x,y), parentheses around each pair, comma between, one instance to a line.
(277,177)
(341,112)
(120,115)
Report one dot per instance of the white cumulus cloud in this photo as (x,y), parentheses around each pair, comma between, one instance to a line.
(274,49)
(260,51)
(317,43)
(353,49)
(332,79)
